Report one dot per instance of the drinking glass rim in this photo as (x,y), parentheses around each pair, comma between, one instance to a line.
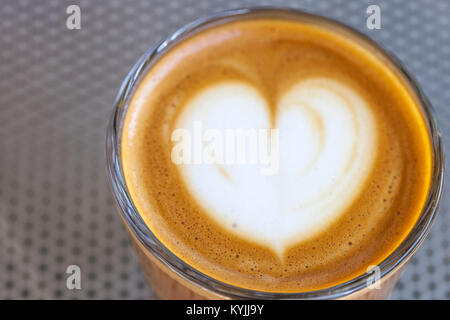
(134,221)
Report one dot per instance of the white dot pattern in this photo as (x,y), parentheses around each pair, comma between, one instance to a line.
(56,93)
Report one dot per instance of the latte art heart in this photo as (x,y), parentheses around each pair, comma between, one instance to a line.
(326,149)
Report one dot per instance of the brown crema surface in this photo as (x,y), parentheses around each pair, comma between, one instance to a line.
(272,55)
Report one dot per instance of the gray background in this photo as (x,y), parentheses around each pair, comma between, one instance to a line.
(57,88)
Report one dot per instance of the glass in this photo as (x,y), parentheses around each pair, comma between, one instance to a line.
(170,276)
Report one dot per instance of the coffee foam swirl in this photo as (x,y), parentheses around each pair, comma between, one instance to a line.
(326,149)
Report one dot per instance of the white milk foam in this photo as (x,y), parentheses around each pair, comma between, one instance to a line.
(327,146)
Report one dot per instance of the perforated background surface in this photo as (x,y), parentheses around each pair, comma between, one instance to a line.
(57,88)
